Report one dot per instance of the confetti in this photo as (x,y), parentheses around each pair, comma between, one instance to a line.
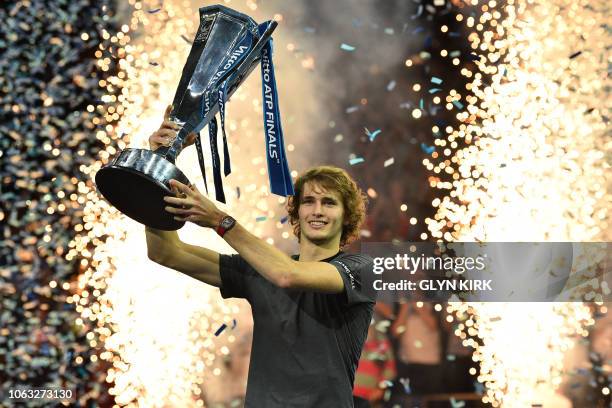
(436,80)
(406,384)
(427,149)
(154,11)
(352,109)
(261,218)
(458,104)
(434,90)
(574,55)
(391,86)
(418,13)
(456,404)
(187,40)
(372,135)
(356,160)
(220,329)
(347,47)
(389,162)
(284,219)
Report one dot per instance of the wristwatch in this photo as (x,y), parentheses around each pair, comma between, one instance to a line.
(226,224)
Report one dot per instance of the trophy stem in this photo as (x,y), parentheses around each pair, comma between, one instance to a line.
(171,152)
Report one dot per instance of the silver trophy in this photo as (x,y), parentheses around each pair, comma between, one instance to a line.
(227,47)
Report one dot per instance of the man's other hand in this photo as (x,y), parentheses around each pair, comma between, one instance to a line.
(190,205)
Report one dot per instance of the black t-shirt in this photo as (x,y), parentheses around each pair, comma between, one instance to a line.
(306,345)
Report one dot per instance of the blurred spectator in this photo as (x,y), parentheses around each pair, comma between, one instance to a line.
(376,369)
(419,348)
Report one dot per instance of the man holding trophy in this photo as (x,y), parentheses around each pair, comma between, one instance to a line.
(311,311)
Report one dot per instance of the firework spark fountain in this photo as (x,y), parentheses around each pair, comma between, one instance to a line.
(532,168)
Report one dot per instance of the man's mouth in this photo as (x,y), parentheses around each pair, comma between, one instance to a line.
(317,224)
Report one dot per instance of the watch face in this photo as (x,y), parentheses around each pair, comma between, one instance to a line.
(227,222)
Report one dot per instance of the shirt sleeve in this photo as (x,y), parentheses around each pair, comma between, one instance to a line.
(235,273)
(357,274)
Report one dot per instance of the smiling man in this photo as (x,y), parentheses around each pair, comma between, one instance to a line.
(311,311)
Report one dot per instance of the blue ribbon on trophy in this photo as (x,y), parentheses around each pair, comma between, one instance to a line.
(227,47)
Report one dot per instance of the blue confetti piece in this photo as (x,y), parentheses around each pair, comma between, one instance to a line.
(434,90)
(347,47)
(456,404)
(418,13)
(238,192)
(234,323)
(458,104)
(455,53)
(372,135)
(427,149)
(436,80)
(356,160)
(418,30)
(406,384)
(153,11)
(391,86)
(352,109)
(284,219)
(220,329)
(451,357)
(421,104)
(582,371)
(454,34)
(260,219)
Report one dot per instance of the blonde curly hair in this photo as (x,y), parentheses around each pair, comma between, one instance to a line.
(335,179)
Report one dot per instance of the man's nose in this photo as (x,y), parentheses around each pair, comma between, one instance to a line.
(318,207)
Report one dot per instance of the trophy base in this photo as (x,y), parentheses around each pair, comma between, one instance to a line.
(136,182)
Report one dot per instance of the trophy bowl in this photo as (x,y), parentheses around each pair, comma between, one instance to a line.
(136,181)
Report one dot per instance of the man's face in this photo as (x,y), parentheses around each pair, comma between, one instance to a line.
(321,214)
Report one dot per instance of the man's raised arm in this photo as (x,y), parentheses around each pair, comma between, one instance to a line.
(165,247)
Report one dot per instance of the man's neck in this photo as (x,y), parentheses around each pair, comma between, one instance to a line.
(312,252)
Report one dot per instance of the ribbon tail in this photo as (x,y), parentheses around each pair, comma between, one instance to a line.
(212,133)
(227,168)
(198,142)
